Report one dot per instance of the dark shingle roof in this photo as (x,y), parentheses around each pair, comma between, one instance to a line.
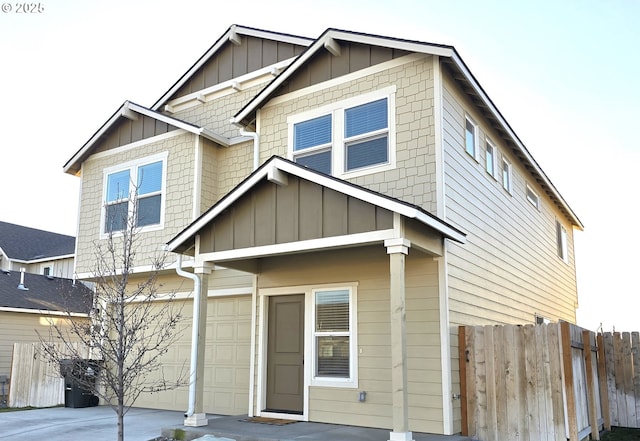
(44,293)
(24,243)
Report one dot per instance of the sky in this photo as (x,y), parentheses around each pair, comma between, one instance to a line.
(563,73)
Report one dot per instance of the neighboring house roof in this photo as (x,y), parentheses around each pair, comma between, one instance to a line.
(28,244)
(43,294)
(231,35)
(329,40)
(273,170)
(129,110)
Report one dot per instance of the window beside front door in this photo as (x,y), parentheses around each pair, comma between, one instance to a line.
(334,346)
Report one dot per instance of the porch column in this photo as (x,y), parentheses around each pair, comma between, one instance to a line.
(397,250)
(199,417)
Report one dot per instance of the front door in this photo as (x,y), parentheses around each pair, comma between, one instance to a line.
(285,354)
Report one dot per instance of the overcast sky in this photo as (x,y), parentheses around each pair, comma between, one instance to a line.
(562,72)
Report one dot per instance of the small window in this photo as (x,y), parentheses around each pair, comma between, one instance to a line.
(471,137)
(333,335)
(533,198)
(141,182)
(365,135)
(312,143)
(561,239)
(506,175)
(490,158)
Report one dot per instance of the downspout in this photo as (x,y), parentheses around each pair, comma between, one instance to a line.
(194,333)
(256,147)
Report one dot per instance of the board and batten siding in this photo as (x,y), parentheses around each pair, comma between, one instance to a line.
(369,267)
(413,179)
(178,198)
(509,269)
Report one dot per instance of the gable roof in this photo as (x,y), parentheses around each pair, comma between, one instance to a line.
(128,110)
(28,244)
(231,35)
(330,40)
(273,170)
(43,294)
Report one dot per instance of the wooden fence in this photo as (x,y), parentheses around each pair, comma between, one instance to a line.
(532,383)
(622,377)
(34,381)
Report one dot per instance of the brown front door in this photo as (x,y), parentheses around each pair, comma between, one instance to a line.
(285,354)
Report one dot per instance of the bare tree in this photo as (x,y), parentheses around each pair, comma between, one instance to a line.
(131,327)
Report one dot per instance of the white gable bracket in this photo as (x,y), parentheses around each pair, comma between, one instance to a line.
(234,37)
(277,176)
(332,46)
(129,114)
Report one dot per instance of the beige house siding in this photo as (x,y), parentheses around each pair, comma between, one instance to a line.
(369,267)
(178,199)
(413,178)
(21,327)
(509,269)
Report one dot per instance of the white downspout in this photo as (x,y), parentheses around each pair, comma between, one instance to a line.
(256,147)
(194,334)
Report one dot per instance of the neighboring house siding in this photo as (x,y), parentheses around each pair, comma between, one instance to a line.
(413,178)
(59,268)
(178,202)
(509,269)
(20,327)
(369,267)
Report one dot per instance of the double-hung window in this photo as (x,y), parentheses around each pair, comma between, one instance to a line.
(561,242)
(506,175)
(490,158)
(350,138)
(134,192)
(471,137)
(334,337)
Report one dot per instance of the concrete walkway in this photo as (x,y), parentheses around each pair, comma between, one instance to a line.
(99,424)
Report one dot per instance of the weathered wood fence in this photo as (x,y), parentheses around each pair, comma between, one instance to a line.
(547,382)
(34,381)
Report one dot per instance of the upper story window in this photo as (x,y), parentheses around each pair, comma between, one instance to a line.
(351,138)
(490,158)
(134,192)
(561,239)
(533,198)
(471,137)
(506,175)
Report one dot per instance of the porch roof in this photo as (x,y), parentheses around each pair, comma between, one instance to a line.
(376,217)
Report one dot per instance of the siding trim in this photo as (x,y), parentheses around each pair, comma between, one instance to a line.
(445,344)
(441,209)
(43,312)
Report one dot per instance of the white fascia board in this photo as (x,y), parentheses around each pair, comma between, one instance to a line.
(496,113)
(267,35)
(327,38)
(299,246)
(43,312)
(44,259)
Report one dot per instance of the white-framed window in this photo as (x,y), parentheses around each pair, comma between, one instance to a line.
(348,138)
(533,198)
(561,240)
(471,137)
(334,337)
(140,182)
(490,157)
(506,175)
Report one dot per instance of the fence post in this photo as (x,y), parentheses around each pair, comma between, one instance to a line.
(591,394)
(567,363)
(602,377)
(462,355)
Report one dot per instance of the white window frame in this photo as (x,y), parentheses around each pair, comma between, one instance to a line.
(338,143)
(494,155)
(474,154)
(533,197)
(507,179)
(562,242)
(133,166)
(352,381)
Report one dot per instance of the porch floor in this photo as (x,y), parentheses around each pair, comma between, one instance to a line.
(238,429)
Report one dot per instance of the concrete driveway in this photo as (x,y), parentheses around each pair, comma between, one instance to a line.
(90,423)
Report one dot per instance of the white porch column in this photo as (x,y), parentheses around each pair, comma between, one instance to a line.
(397,250)
(199,417)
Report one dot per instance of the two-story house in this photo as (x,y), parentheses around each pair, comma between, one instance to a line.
(345,203)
